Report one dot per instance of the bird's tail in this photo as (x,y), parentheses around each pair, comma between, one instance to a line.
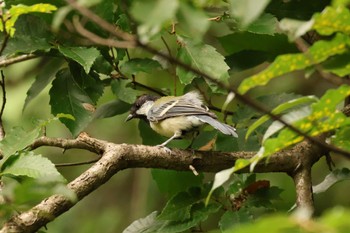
(223,128)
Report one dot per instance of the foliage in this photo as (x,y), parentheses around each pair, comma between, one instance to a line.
(251,44)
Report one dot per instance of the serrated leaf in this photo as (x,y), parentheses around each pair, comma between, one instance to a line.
(200,212)
(283,64)
(233,219)
(246,11)
(45,76)
(332,178)
(110,109)
(281,108)
(172,182)
(82,55)
(32,165)
(332,20)
(178,207)
(202,57)
(136,65)
(159,14)
(15,11)
(17,139)
(66,96)
(143,224)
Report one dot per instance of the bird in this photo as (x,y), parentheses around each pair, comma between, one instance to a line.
(176,116)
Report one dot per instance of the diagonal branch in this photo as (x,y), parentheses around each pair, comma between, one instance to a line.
(117,157)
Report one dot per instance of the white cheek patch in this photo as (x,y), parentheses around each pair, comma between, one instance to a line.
(144,109)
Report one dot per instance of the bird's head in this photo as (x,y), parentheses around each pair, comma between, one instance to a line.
(141,107)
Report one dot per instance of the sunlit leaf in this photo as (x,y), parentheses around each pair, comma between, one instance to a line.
(16,10)
(323,118)
(332,20)
(283,64)
(281,108)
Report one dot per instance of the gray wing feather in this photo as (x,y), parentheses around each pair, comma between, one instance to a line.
(223,128)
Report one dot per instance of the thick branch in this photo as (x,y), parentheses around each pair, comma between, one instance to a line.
(117,157)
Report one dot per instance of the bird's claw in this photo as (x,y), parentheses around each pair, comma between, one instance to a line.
(166,149)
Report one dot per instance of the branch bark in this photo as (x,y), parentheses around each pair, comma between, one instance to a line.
(117,157)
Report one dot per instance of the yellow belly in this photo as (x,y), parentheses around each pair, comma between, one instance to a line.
(170,126)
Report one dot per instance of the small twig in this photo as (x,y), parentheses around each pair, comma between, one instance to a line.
(20,58)
(217,18)
(99,40)
(173,71)
(78,163)
(2,84)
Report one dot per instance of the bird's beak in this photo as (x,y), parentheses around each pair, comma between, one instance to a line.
(129,117)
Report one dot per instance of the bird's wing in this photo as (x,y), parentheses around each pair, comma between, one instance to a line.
(178,107)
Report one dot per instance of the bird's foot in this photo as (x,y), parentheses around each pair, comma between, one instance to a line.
(166,149)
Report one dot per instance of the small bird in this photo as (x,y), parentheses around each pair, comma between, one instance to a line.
(176,116)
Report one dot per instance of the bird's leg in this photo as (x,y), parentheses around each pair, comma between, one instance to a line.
(176,135)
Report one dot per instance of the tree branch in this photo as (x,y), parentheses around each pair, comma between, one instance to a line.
(117,157)
(20,58)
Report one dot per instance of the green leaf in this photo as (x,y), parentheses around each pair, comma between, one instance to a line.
(32,34)
(265,24)
(110,109)
(172,182)
(121,88)
(143,225)
(323,118)
(283,64)
(281,108)
(192,22)
(199,213)
(332,20)
(82,55)
(338,65)
(67,96)
(31,191)
(45,76)
(332,178)
(178,208)
(233,219)
(17,139)
(202,57)
(16,10)
(160,13)
(31,165)
(341,138)
(246,11)
(136,65)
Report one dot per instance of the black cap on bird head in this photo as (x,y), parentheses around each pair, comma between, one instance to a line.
(138,103)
